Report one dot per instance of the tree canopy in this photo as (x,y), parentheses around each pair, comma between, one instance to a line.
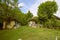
(47,9)
(7,11)
(46,12)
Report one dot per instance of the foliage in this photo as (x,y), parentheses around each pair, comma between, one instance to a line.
(29,15)
(24,18)
(45,13)
(6,11)
(47,9)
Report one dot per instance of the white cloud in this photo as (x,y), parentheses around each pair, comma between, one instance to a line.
(20,4)
(58,12)
(34,8)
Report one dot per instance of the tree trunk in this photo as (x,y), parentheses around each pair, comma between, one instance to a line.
(4,24)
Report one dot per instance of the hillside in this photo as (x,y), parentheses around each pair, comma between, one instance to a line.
(28,33)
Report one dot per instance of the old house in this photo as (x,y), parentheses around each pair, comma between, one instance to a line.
(9,24)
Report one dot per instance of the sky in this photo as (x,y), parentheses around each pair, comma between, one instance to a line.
(32,5)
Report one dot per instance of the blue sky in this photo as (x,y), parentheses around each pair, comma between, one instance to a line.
(32,5)
(26,4)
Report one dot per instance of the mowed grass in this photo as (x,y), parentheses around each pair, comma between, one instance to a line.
(28,33)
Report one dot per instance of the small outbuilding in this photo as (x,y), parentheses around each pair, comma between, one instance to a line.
(33,23)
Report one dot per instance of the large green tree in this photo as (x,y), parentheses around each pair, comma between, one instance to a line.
(8,10)
(46,11)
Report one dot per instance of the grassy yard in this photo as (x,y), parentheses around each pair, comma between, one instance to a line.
(28,33)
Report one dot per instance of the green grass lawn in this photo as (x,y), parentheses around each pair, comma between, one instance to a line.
(28,33)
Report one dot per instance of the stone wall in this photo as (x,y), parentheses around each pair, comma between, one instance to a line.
(34,25)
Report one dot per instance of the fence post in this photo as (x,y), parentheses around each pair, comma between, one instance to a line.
(56,37)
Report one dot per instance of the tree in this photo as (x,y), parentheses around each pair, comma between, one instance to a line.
(46,11)
(8,12)
(29,15)
(24,18)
